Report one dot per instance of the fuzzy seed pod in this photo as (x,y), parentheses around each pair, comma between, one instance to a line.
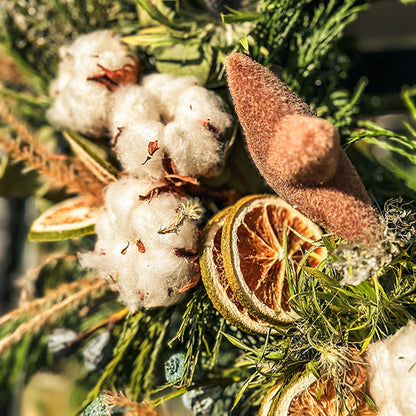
(299,154)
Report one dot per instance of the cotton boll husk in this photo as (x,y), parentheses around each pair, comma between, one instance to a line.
(393,373)
(199,104)
(133,103)
(150,217)
(167,89)
(82,106)
(120,199)
(153,278)
(192,147)
(132,149)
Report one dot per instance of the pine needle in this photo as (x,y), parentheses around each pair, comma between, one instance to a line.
(27,149)
(51,314)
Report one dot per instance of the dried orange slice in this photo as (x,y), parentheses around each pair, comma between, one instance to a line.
(213,277)
(253,253)
(306,395)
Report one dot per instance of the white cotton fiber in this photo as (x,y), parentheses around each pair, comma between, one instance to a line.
(153,279)
(167,89)
(199,104)
(393,373)
(87,51)
(132,149)
(133,103)
(192,147)
(142,264)
(120,198)
(148,218)
(80,104)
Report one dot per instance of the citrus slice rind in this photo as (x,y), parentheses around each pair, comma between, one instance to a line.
(280,403)
(87,153)
(254,256)
(269,400)
(305,394)
(217,287)
(72,218)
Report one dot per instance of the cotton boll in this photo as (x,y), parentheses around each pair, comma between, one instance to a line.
(199,104)
(107,257)
(150,217)
(393,373)
(120,199)
(133,103)
(82,106)
(134,153)
(167,89)
(153,279)
(192,147)
(82,56)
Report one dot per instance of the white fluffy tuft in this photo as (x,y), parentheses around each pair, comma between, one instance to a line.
(132,104)
(393,373)
(80,104)
(199,104)
(132,149)
(139,262)
(167,89)
(147,219)
(191,146)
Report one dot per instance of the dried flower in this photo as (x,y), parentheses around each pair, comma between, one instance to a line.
(358,262)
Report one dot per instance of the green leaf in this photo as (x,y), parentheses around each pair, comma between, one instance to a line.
(239,344)
(92,157)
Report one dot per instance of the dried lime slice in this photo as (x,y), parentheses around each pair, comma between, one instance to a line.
(89,155)
(72,218)
(306,395)
(213,277)
(253,252)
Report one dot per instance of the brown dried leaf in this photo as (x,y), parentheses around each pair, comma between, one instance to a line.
(124,251)
(190,284)
(152,147)
(180,180)
(116,137)
(111,79)
(140,246)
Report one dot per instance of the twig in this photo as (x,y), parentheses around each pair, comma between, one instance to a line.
(110,320)
(27,149)
(133,408)
(51,314)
